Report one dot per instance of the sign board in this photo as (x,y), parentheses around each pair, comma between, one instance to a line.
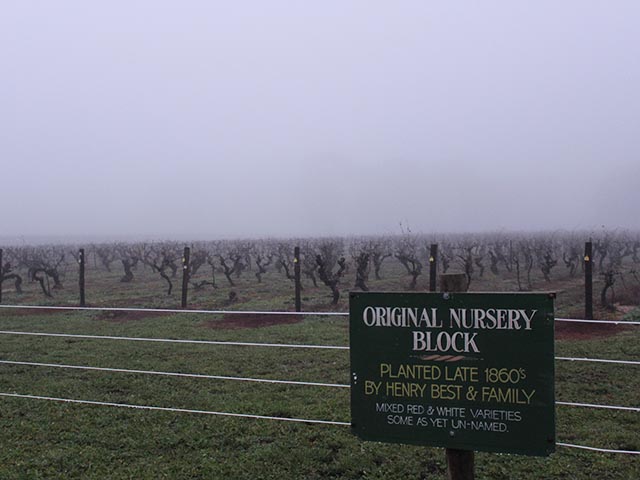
(470,371)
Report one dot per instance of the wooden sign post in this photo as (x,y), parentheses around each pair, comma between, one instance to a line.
(460,463)
(433,266)
(81,265)
(464,371)
(296,278)
(1,274)
(588,280)
(186,273)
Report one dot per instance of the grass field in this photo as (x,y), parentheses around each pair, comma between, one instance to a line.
(43,439)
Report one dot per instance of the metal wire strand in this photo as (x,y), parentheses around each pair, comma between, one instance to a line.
(172,340)
(246,379)
(172,409)
(172,310)
(599,360)
(596,449)
(254,344)
(595,405)
(175,374)
(253,312)
(259,417)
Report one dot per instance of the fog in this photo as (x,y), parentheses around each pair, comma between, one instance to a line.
(277,118)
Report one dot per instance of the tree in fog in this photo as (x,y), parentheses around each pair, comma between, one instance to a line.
(379,250)
(162,259)
(263,258)
(203,253)
(106,253)
(544,250)
(129,256)
(331,266)
(232,257)
(469,256)
(308,264)
(523,259)
(43,266)
(284,262)
(407,253)
(360,252)
(572,254)
(7,273)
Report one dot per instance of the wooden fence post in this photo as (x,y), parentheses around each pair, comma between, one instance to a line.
(296,274)
(433,266)
(1,275)
(588,281)
(460,463)
(81,276)
(186,272)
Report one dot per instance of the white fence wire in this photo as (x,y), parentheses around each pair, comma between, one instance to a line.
(173,340)
(255,312)
(172,409)
(247,379)
(258,417)
(253,344)
(175,374)
(258,380)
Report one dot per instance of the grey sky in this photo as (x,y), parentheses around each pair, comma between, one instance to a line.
(306,118)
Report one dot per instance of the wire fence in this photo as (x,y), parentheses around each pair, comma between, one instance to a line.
(308,421)
(172,409)
(253,344)
(248,379)
(255,312)
(257,380)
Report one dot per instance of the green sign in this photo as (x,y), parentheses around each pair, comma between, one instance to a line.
(471,371)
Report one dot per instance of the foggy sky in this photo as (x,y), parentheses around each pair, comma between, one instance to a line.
(216,119)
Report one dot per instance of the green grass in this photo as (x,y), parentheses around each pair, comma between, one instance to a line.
(50,440)
(47,440)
